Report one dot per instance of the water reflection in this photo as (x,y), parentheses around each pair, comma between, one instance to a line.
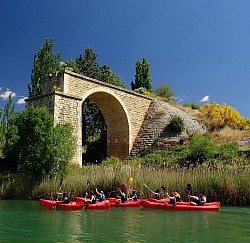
(26,221)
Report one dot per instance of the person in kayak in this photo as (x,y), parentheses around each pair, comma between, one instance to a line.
(172,199)
(92,198)
(100,195)
(195,200)
(65,198)
(122,196)
(203,197)
(134,196)
(156,194)
(178,197)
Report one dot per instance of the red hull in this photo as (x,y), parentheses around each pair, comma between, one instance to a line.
(163,200)
(73,205)
(98,205)
(185,207)
(70,206)
(58,204)
(128,204)
(48,203)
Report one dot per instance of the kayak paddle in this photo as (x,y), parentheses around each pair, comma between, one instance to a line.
(60,188)
(189,189)
(88,183)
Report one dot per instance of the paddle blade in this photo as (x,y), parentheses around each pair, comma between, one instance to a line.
(189,187)
(131,180)
(163,188)
(88,181)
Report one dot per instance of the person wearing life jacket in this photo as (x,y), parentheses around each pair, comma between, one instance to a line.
(195,200)
(134,196)
(92,198)
(123,196)
(177,196)
(100,195)
(65,198)
(156,194)
(172,198)
(203,198)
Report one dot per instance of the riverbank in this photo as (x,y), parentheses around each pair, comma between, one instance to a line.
(229,184)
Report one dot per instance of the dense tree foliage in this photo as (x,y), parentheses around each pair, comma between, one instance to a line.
(87,64)
(164,91)
(36,146)
(45,62)
(5,115)
(142,76)
(59,148)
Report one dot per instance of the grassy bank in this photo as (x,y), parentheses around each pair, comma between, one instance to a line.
(228,183)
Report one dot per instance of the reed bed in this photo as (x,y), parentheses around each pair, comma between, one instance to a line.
(229,184)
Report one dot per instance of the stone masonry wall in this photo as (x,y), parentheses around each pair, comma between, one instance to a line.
(155,128)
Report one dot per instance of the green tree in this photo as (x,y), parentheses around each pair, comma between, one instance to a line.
(107,76)
(5,115)
(39,148)
(60,147)
(45,62)
(87,64)
(164,91)
(142,77)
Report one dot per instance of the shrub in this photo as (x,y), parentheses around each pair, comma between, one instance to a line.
(201,149)
(194,106)
(176,124)
(227,150)
(220,116)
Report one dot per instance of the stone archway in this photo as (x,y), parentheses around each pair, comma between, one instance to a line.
(116,119)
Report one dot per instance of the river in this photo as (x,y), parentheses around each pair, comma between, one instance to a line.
(26,221)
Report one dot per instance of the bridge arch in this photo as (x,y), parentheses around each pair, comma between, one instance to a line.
(116,118)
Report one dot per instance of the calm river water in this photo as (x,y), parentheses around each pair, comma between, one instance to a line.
(26,221)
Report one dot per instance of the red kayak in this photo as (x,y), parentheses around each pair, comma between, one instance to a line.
(129,203)
(98,205)
(183,207)
(58,204)
(163,200)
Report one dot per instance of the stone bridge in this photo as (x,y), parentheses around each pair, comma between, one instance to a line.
(124,111)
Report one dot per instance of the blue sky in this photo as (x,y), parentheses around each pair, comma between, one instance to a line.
(201,48)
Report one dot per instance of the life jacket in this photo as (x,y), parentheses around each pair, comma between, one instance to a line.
(135,197)
(103,197)
(178,197)
(198,201)
(173,201)
(67,201)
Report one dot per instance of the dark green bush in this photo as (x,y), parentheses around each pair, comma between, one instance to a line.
(194,106)
(176,124)
(201,149)
(227,150)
